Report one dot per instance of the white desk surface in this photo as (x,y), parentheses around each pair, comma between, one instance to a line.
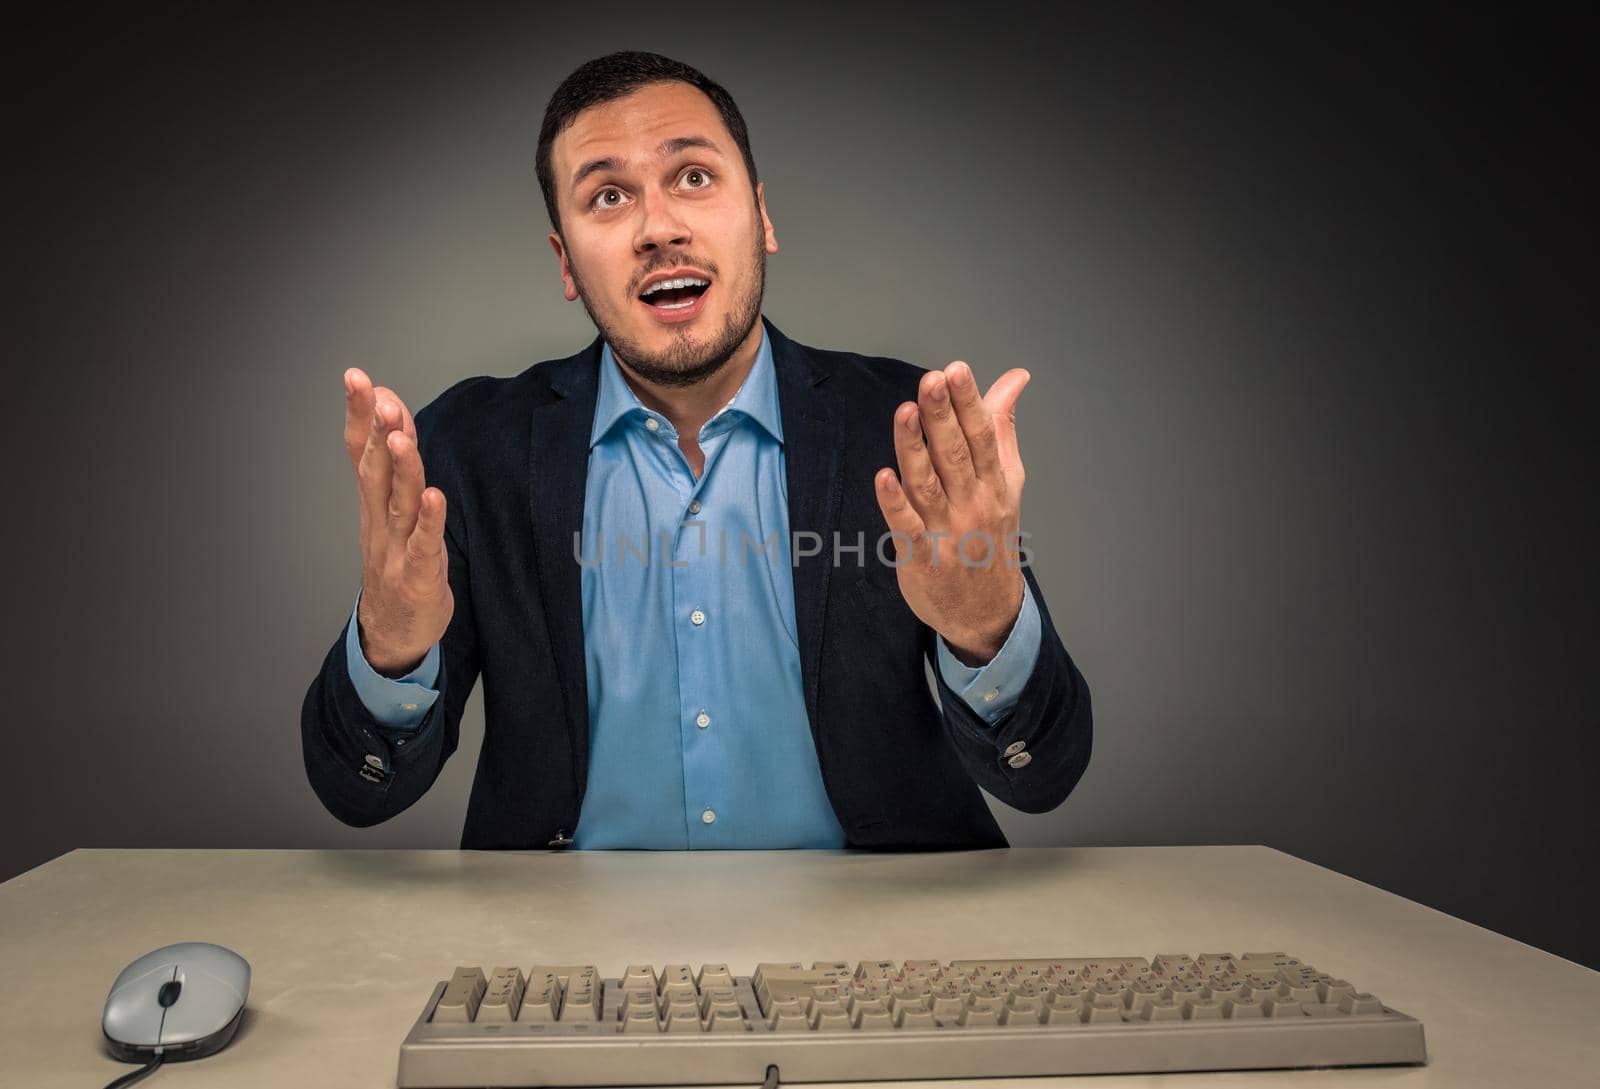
(345,946)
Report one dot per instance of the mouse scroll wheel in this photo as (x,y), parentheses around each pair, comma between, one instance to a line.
(169,992)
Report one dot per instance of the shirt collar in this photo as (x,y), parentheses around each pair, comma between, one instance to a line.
(756,398)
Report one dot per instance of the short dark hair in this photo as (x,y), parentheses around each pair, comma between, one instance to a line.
(613,76)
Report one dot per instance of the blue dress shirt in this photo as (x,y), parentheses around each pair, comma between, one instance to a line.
(697,724)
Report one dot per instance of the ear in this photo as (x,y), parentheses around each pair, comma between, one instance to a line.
(766,224)
(571,291)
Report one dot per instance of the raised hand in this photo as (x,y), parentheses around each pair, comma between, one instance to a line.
(406,602)
(960,474)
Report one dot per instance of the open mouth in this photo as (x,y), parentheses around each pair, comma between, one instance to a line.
(676,300)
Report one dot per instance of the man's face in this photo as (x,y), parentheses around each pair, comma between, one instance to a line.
(649,184)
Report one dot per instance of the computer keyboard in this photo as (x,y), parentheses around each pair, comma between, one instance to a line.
(875,1020)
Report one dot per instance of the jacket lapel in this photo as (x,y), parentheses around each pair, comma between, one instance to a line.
(812,466)
(558,471)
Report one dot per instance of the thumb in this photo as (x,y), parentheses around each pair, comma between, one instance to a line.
(1001,401)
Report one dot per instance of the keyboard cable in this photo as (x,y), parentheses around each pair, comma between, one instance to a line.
(770,1083)
(134,1075)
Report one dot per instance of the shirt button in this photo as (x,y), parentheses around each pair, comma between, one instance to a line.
(652,423)
(988,697)
(702,720)
(1021,760)
(694,507)
(697,618)
(707,817)
(1015,747)
(408,707)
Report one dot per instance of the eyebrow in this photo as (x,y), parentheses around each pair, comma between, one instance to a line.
(667,148)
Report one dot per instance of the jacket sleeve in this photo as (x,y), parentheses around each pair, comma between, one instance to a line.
(1031,756)
(363,770)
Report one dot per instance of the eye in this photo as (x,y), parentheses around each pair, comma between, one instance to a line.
(697,172)
(600,200)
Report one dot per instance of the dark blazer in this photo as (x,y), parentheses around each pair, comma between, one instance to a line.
(511,456)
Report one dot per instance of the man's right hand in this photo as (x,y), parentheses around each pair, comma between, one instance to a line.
(406,603)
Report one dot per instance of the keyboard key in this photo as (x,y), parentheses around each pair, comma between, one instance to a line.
(684,1020)
(580,1005)
(1065,1011)
(872,1015)
(725,1019)
(1334,991)
(714,975)
(503,997)
(1360,1003)
(911,987)
(1283,1006)
(875,969)
(829,1017)
(641,1020)
(1104,1009)
(640,977)
(542,998)
(1160,1009)
(788,1015)
(1028,1013)
(716,996)
(981,1011)
(678,979)
(459,1003)
(1226,991)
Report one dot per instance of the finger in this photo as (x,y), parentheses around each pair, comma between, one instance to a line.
(405,493)
(974,417)
(947,446)
(425,553)
(904,521)
(358,401)
(374,473)
(919,481)
(1001,400)
(375,470)
(392,399)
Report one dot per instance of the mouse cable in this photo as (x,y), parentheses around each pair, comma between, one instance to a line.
(134,1075)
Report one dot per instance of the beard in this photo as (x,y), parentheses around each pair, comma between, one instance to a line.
(687,362)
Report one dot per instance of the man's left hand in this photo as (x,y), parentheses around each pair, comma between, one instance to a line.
(962,477)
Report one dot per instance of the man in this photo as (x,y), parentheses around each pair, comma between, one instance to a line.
(700,597)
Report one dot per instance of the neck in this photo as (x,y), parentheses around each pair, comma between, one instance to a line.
(689,407)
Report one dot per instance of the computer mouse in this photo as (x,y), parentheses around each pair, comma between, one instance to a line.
(181,1001)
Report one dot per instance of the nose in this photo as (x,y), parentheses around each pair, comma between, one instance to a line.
(659,224)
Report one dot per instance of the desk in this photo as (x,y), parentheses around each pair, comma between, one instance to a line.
(345,946)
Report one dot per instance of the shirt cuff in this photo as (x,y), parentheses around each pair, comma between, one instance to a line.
(992,689)
(399,702)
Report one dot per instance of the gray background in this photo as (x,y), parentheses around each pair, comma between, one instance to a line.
(1307,300)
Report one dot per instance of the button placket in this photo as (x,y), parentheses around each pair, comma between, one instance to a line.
(693,581)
